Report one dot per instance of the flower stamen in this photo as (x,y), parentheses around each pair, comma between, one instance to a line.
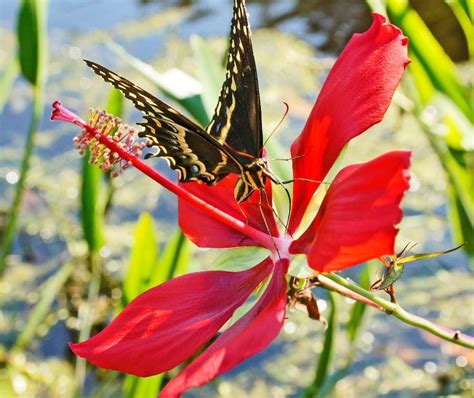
(113,128)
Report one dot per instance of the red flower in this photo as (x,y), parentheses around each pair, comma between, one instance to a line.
(169,323)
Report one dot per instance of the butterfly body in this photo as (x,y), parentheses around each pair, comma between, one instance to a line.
(232,143)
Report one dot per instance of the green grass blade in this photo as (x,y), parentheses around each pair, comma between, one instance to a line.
(33,61)
(8,78)
(461,225)
(435,61)
(143,258)
(175,84)
(325,358)
(115,103)
(28,33)
(462,9)
(353,327)
(358,310)
(49,292)
(210,72)
(91,210)
(134,387)
(149,273)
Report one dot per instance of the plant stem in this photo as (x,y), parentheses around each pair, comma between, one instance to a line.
(336,287)
(262,238)
(10,227)
(450,335)
(9,77)
(325,359)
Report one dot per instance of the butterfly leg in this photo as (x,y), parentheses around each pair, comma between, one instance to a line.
(264,218)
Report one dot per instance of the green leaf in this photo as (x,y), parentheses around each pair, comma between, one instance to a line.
(91,211)
(463,9)
(462,227)
(174,260)
(115,102)
(143,258)
(145,272)
(240,258)
(352,328)
(32,56)
(210,72)
(30,31)
(175,84)
(142,387)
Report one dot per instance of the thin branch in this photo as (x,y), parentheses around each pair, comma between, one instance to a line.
(453,336)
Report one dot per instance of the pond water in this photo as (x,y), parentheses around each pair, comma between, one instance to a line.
(294,53)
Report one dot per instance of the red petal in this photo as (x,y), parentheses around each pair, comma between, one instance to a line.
(167,324)
(248,336)
(355,96)
(356,220)
(205,231)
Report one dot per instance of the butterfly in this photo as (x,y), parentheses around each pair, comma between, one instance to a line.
(231,143)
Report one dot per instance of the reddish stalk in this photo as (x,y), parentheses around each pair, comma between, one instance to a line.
(265,240)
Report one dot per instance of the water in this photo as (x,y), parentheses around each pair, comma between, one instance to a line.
(389,353)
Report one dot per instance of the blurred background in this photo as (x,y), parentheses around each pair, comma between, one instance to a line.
(76,245)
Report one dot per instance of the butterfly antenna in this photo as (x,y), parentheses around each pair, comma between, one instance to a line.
(306,180)
(277,126)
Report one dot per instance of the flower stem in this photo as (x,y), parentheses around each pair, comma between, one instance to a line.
(370,298)
(11,224)
(264,239)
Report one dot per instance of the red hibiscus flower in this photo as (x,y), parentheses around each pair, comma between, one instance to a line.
(356,221)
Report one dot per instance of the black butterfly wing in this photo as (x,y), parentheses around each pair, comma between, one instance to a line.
(186,146)
(237,120)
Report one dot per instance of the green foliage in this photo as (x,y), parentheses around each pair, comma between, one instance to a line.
(435,83)
(175,259)
(145,271)
(210,72)
(424,46)
(91,208)
(8,78)
(143,259)
(32,53)
(464,10)
(352,328)
(30,30)
(325,359)
(115,102)
(179,87)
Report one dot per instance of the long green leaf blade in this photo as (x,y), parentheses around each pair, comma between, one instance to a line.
(91,211)
(175,259)
(143,258)
(423,44)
